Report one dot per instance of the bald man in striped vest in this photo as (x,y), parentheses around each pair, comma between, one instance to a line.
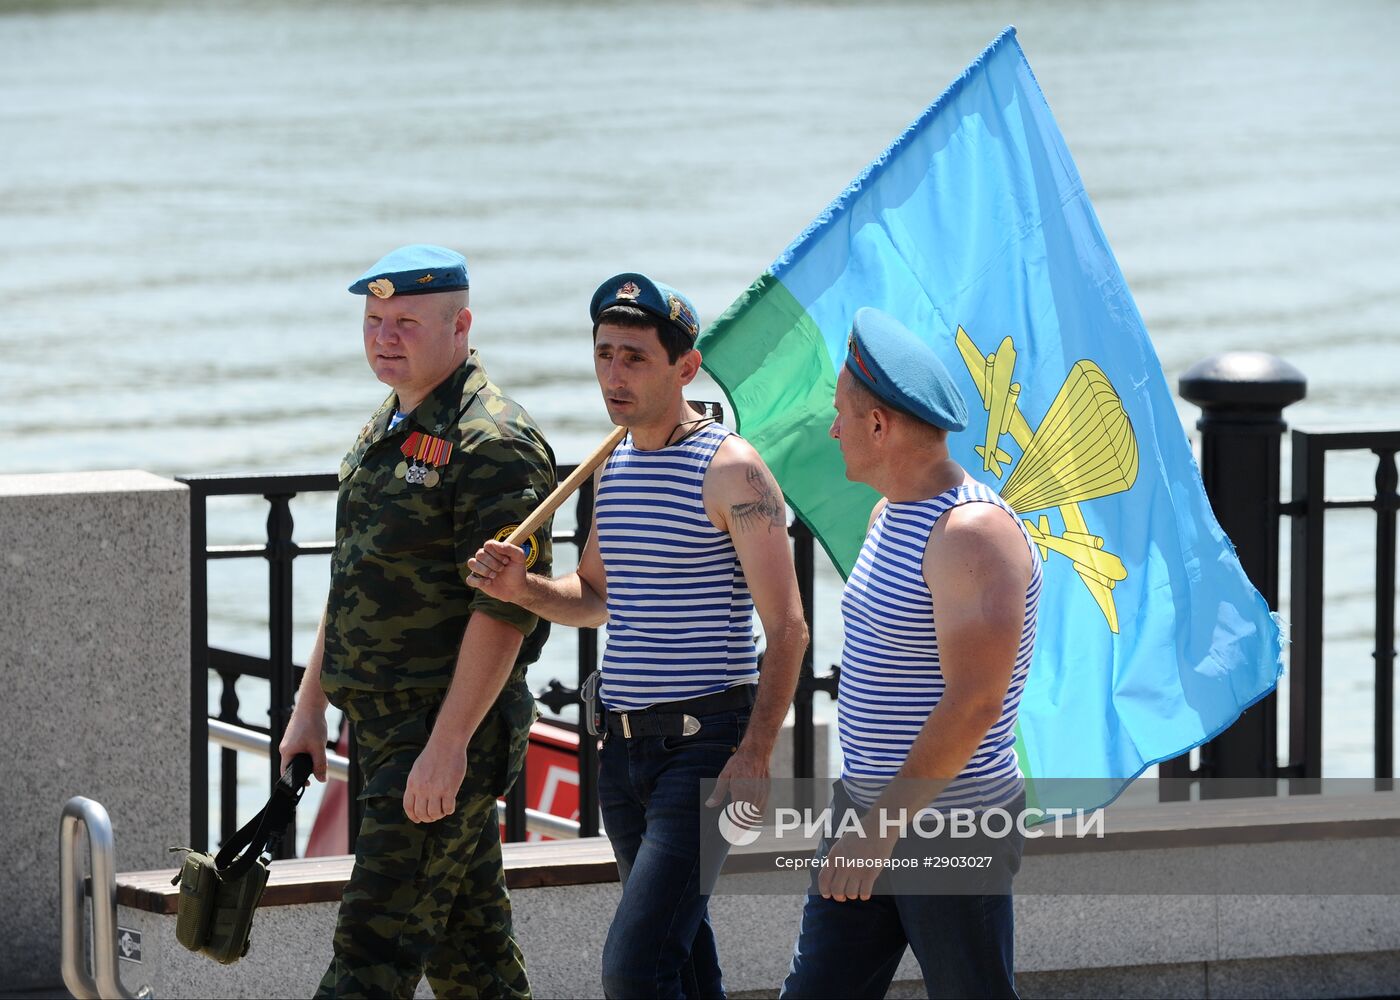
(689,537)
(940,616)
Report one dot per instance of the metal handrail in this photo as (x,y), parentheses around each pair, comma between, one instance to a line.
(233,737)
(84,814)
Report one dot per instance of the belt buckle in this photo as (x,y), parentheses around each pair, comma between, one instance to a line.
(626,726)
(690,725)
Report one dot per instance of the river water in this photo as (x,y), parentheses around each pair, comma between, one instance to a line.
(186,189)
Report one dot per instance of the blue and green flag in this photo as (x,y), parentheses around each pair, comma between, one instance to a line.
(974,229)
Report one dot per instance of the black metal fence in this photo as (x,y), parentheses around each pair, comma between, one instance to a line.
(282,675)
(280,549)
(1242,397)
(1307,507)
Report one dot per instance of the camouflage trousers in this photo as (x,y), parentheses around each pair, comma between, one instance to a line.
(427,898)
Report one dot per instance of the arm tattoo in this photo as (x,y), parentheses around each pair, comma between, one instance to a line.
(767,507)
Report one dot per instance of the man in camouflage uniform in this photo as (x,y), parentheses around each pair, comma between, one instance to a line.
(430,672)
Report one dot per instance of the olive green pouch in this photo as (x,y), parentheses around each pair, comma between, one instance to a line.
(220,893)
(199,884)
(231,929)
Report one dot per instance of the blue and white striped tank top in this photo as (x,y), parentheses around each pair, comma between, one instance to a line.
(890,675)
(680,615)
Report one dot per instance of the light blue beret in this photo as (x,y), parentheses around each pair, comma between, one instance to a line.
(662,301)
(414,270)
(903,370)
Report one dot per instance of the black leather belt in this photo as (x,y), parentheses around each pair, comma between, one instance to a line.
(679,718)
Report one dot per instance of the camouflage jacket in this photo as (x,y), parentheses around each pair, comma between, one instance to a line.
(399,601)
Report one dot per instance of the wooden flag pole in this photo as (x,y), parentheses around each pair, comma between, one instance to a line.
(567,488)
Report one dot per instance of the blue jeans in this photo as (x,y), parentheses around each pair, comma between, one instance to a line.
(660,943)
(964,943)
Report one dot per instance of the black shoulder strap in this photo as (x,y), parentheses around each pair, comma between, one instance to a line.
(244,847)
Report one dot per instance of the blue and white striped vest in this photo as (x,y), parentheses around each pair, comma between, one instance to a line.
(890,674)
(680,615)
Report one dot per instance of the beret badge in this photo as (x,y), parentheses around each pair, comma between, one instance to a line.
(854,351)
(628,291)
(382,288)
(679,313)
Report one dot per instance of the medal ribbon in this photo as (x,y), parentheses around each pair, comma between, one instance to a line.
(426,449)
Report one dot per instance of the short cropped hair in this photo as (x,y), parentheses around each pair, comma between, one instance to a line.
(453,303)
(864,400)
(675,343)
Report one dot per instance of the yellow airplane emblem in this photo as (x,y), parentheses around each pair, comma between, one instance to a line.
(1084,449)
(1000,400)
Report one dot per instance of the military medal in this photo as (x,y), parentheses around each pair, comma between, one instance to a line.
(423,452)
(400,470)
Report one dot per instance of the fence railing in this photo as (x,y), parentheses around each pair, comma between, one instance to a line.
(280,549)
(1242,396)
(282,676)
(1307,507)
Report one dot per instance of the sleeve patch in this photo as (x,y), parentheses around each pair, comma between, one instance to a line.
(531,545)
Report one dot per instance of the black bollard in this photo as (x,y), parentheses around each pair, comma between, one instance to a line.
(1242,396)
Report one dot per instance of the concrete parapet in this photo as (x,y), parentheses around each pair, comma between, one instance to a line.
(94,652)
(1090,944)
(561,931)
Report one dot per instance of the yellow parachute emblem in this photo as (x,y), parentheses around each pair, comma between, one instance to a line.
(1083,450)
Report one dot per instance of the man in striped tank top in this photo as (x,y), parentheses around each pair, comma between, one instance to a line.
(689,537)
(926,710)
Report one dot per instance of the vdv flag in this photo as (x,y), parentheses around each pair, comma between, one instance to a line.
(974,229)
